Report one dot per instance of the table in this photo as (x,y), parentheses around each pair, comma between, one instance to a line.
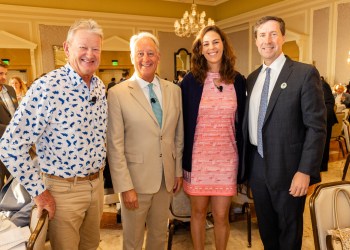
(13,237)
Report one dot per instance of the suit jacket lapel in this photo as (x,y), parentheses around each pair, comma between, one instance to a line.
(4,106)
(250,85)
(164,86)
(282,78)
(13,97)
(139,96)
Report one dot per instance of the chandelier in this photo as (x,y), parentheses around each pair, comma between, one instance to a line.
(191,23)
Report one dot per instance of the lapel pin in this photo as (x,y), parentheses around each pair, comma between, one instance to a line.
(284,85)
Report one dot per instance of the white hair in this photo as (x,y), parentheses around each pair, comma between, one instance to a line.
(84,24)
(135,38)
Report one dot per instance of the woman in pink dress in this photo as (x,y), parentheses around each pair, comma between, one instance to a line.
(213,96)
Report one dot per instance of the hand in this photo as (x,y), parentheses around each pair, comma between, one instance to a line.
(46,200)
(300,184)
(130,199)
(177,185)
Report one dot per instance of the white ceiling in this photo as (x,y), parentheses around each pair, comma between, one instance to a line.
(201,2)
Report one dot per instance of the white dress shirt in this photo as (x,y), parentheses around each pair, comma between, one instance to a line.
(144,86)
(254,102)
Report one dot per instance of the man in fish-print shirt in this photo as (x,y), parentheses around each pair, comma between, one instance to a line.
(65,115)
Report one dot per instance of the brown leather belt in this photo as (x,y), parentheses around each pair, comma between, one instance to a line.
(90,177)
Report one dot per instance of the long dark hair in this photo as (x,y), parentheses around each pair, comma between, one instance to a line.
(199,62)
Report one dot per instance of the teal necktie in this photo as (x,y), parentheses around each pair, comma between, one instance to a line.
(157,110)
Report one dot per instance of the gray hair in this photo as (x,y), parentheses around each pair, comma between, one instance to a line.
(84,24)
(135,38)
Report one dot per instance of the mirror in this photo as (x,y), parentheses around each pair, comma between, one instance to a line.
(182,61)
(59,56)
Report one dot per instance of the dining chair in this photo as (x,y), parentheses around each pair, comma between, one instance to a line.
(38,227)
(244,199)
(321,211)
(180,210)
(337,132)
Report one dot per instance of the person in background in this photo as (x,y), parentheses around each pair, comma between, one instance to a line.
(348,88)
(331,120)
(8,105)
(65,115)
(180,76)
(112,83)
(125,76)
(213,98)
(20,87)
(284,134)
(145,143)
(340,96)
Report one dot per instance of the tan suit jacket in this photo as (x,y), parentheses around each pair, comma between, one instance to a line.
(138,149)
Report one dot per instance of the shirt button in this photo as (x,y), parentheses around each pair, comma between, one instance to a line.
(160,155)
(161,138)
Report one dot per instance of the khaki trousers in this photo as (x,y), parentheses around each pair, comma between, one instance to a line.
(153,212)
(79,208)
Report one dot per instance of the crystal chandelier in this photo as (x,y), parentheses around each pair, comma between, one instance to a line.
(191,23)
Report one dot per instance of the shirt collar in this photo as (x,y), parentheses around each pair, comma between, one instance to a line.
(77,79)
(144,83)
(275,65)
(4,89)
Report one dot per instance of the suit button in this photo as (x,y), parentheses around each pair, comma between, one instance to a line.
(161,137)
(160,155)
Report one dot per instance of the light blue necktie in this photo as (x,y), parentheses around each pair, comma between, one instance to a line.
(157,110)
(262,110)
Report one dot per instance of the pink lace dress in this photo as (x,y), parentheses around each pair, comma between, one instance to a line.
(215,155)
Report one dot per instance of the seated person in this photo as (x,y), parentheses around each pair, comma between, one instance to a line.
(340,96)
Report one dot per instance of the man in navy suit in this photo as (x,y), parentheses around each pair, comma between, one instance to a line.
(283,151)
(8,105)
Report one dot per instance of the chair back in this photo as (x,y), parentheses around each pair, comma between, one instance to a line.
(321,210)
(338,127)
(180,206)
(244,194)
(38,228)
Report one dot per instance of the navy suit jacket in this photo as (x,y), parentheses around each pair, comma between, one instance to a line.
(5,116)
(294,129)
(191,96)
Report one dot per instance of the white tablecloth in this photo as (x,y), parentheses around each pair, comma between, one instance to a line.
(13,237)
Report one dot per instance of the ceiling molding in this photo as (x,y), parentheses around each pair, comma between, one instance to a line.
(200,2)
(8,40)
(115,43)
(282,9)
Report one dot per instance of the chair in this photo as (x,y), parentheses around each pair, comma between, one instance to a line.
(337,132)
(346,166)
(244,198)
(321,210)
(38,228)
(180,210)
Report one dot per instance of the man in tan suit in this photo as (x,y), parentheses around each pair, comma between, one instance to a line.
(145,143)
